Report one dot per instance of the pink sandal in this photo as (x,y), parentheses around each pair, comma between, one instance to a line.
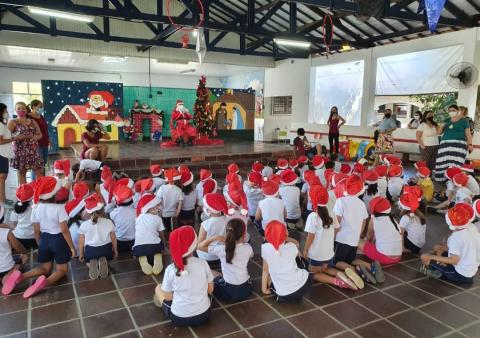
(11,282)
(39,284)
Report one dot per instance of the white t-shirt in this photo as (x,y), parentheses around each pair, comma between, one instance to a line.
(286,276)
(213,226)
(473,186)
(290,195)
(272,209)
(322,245)
(6,259)
(190,291)
(464,244)
(74,234)
(382,187)
(97,234)
(463,194)
(429,136)
(234,273)
(395,186)
(305,189)
(6,150)
(147,228)
(353,213)
(474,233)
(189,201)
(267,171)
(170,195)
(124,219)
(49,216)
(90,165)
(24,228)
(158,182)
(415,229)
(199,191)
(388,240)
(254,195)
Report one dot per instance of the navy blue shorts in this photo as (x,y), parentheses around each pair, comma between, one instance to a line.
(125,246)
(184,321)
(297,295)
(186,215)
(28,243)
(410,246)
(330,262)
(231,293)
(4,165)
(344,253)
(95,252)
(450,274)
(148,250)
(53,248)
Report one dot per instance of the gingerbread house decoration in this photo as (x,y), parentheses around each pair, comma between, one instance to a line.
(71,120)
(244,102)
(146,121)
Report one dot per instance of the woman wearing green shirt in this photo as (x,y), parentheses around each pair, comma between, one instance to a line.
(456,142)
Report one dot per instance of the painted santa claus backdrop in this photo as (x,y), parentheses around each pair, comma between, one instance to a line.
(70,104)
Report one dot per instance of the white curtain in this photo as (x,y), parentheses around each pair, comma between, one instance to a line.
(339,85)
(417,73)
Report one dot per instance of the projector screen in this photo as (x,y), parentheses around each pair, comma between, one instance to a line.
(340,85)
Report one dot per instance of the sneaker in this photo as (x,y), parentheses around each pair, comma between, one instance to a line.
(157,264)
(93,269)
(103,267)
(146,267)
(344,282)
(39,284)
(377,271)
(366,275)
(429,272)
(355,278)
(11,282)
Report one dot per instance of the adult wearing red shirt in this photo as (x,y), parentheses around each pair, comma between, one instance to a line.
(92,149)
(37,114)
(334,122)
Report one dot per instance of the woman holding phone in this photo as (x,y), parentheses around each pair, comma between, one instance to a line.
(92,149)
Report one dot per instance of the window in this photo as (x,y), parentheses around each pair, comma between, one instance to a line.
(26,91)
(281,105)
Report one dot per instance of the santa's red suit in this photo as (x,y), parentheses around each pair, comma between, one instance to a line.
(180,125)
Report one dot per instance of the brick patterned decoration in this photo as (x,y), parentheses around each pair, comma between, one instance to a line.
(139,117)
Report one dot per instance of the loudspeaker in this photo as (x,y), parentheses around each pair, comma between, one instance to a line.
(369,8)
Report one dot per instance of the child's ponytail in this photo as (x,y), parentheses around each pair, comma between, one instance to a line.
(96,215)
(235,230)
(324,216)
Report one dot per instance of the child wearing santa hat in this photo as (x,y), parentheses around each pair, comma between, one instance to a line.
(187,283)
(370,178)
(80,190)
(318,163)
(472,183)
(395,182)
(270,208)
(75,209)
(280,274)
(282,164)
(267,171)
(459,263)
(187,214)
(50,222)
(234,169)
(205,175)
(21,215)
(253,190)
(413,225)
(61,169)
(290,195)
(93,168)
(124,216)
(105,190)
(149,235)
(233,284)
(425,183)
(97,241)
(157,172)
(456,192)
(171,197)
(318,247)
(214,206)
(382,183)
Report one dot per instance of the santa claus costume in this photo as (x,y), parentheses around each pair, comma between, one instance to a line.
(182,131)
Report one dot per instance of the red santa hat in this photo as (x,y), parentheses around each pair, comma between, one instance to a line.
(409,202)
(381,170)
(257,166)
(106,173)
(137,187)
(276,234)
(423,172)
(318,162)
(24,193)
(156,170)
(215,202)
(288,177)
(146,185)
(380,205)
(122,194)
(172,174)
(233,168)
(74,206)
(354,186)
(237,197)
(302,159)
(307,174)
(395,171)
(460,216)
(282,163)
(345,168)
(210,186)
(313,180)
(358,169)
(62,195)
(460,179)
(275,178)
(80,190)
(414,190)
(467,168)
(337,178)
(231,178)
(205,174)
(318,195)
(370,177)
(93,203)
(61,167)
(106,96)
(126,181)
(147,202)
(451,172)
(392,160)
(255,178)
(270,188)
(187,178)
(420,164)
(45,188)
(183,241)
(476,207)
(328,173)
(293,163)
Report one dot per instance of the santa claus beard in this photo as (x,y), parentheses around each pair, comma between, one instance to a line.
(99,105)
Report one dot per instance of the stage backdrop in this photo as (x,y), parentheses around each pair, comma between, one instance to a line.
(70,104)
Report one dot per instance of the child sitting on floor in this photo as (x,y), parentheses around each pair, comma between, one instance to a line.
(123,216)
(187,214)
(97,241)
(413,225)
(61,168)
(75,210)
(267,170)
(156,171)
(382,183)
(171,197)
(270,208)
(425,183)
(290,195)
(253,190)
(21,217)
(395,182)
(371,180)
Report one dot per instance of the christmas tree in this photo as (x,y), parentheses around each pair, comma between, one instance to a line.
(203,114)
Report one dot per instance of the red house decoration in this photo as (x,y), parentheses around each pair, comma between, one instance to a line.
(146,121)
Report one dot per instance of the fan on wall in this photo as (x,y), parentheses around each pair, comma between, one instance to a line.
(462,75)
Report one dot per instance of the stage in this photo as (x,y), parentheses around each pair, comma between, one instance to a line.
(135,158)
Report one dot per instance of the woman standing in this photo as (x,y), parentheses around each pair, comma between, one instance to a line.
(6,151)
(427,138)
(36,114)
(456,142)
(334,122)
(26,135)
(92,149)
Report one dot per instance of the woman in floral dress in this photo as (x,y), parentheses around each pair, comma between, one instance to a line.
(25,147)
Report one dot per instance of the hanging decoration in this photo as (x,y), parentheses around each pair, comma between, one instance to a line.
(201,48)
(327,32)
(185,38)
(434,9)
